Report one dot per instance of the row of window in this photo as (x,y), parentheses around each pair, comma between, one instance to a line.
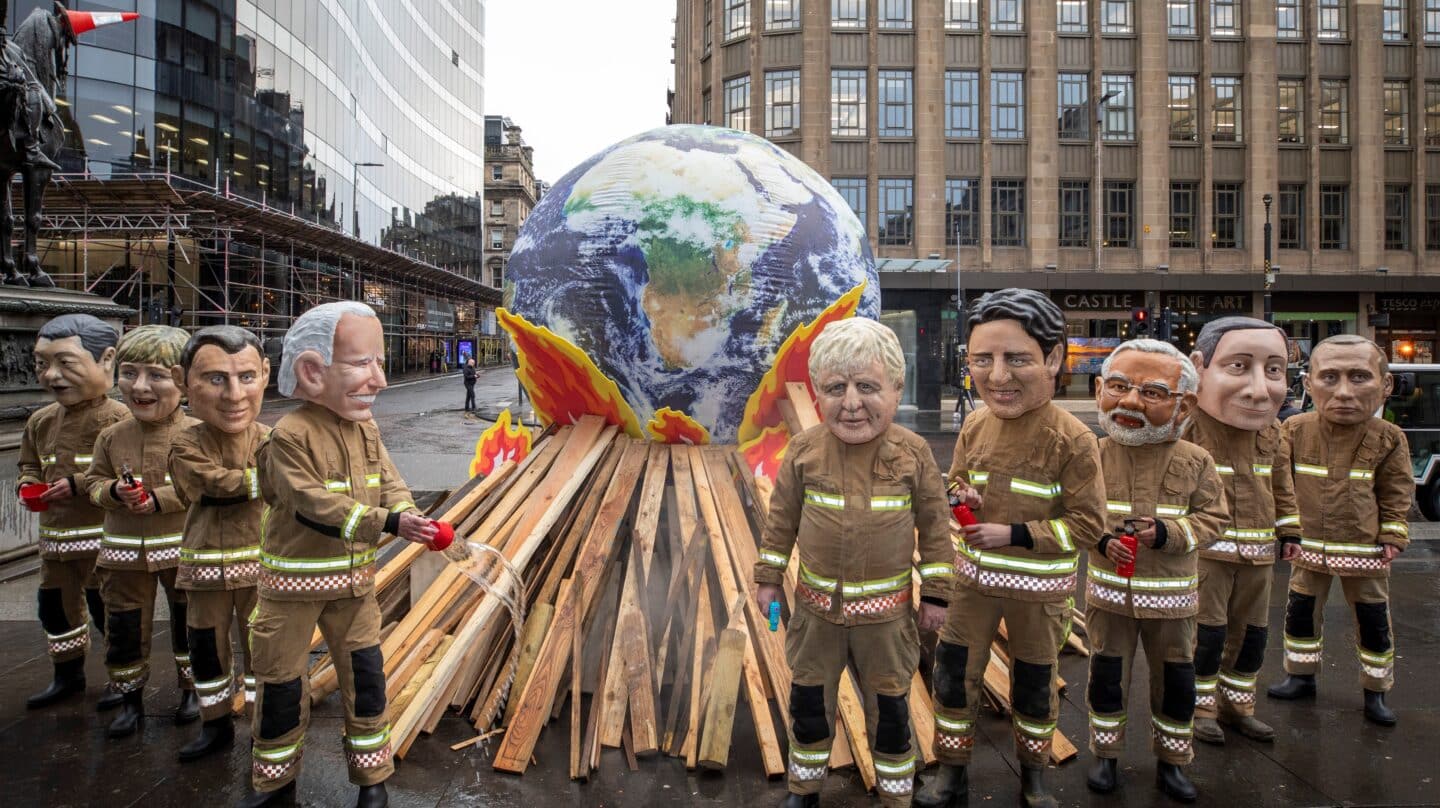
(1328,18)
(896,219)
(896,99)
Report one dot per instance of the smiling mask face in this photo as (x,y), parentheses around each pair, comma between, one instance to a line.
(355,375)
(1244,384)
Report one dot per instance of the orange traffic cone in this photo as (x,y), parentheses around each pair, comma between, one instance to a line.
(82,21)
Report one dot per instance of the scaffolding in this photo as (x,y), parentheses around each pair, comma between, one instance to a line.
(183,253)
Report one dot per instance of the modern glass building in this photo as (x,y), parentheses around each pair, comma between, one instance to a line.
(240,160)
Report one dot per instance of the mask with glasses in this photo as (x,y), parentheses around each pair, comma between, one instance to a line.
(1150,392)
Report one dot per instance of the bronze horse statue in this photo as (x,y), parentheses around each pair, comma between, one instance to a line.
(31,132)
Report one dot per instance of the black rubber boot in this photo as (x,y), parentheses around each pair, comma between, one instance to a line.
(110,701)
(1295,686)
(132,712)
(1032,788)
(373,797)
(69,680)
(800,801)
(1250,726)
(1377,711)
(284,795)
(188,710)
(1173,783)
(214,736)
(949,788)
(1103,779)
(1208,730)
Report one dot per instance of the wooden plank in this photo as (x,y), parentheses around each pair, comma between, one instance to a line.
(412,688)
(718,725)
(922,718)
(562,629)
(576,660)
(590,754)
(647,513)
(639,678)
(805,411)
(414,658)
(536,623)
(699,672)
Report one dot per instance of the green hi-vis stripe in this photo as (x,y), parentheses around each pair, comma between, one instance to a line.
(952,725)
(1262,470)
(219,556)
(1032,489)
(1101,722)
(1113,506)
(1060,566)
(811,756)
(279,755)
(1342,548)
(1311,471)
(303,565)
(1398,528)
(364,742)
(774,559)
(979,477)
(1171,728)
(895,503)
(1303,643)
(824,500)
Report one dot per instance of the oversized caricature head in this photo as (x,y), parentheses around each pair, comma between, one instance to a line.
(1349,379)
(335,357)
(858,371)
(75,358)
(1147,391)
(147,356)
(224,371)
(1242,371)
(1017,346)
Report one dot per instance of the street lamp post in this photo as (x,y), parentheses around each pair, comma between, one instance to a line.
(1096,194)
(355,192)
(1269,273)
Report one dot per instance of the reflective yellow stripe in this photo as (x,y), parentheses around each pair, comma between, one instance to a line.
(280,755)
(252,481)
(365,742)
(1114,506)
(372,480)
(1041,490)
(141,541)
(979,477)
(1293,520)
(809,755)
(283,564)
(774,559)
(1223,469)
(402,507)
(1101,722)
(1342,548)
(891,503)
(895,770)
(1059,566)
(1034,730)
(1262,469)
(352,520)
(824,499)
(1398,528)
(1256,534)
(219,556)
(337,485)
(1362,474)
(930,571)
(1138,582)
(1311,471)
(1062,535)
(72,533)
(1171,510)
(1171,728)
(1190,542)
(952,725)
(871,588)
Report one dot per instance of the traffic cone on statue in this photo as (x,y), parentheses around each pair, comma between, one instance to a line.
(83,21)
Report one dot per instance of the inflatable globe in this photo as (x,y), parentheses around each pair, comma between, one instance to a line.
(678,261)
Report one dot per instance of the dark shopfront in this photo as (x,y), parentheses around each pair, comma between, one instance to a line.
(1414,326)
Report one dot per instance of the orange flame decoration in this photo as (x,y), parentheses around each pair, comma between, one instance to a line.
(500,443)
(764,453)
(673,426)
(564,384)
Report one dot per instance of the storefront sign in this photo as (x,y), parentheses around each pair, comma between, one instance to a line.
(439,315)
(1408,303)
(1100,301)
(1201,302)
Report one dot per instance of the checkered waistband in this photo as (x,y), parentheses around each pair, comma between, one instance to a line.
(317,584)
(880,604)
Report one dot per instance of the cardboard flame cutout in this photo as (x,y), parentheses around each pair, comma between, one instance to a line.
(564,384)
(764,453)
(501,442)
(673,426)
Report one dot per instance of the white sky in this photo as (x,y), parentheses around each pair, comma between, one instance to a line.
(577,75)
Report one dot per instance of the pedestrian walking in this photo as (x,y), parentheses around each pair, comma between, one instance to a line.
(469,377)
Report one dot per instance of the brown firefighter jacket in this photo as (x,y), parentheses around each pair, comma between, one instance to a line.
(216,472)
(1259,489)
(854,511)
(145,542)
(1175,483)
(1354,486)
(57,443)
(1039,473)
(330,491)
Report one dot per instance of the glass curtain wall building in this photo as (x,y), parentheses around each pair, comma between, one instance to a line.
(344,119)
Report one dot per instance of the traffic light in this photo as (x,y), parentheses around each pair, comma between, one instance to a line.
(1139,322)
(1166,325)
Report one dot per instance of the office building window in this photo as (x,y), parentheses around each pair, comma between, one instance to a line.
(852,190)
(1117,16)
(1334,217)
(497,171)
(497,208)
(1007,213)
(1334,111)
(1289,19)
(1074,213)
(1432,113)
(962,103)
(1183,125)
(1290,217)
(737,18)
(1120,109)
(782,103)
(1330,19)
(1074,99)
(1432,217)
(1181,15)
(1290,109)
(1226,206)
(1224,17)
(497,275)
(497,238)
(896,14)
(1394,25)
(847,13)
(1432,20)
(895,90)
(1007,105)
(962,212)
(1397,217)
(1228,112)
(897,211)
(1072,16)
(782,15)
(737,103)
(705,108)
(1007,15)
(1184,204)
(962,15)
(708,15)
(847,103)
(1395,96)
(1119,214)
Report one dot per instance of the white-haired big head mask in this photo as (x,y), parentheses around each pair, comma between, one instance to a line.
(334,357)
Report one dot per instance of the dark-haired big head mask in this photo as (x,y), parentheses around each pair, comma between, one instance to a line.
(1244,384)
(1011,371)
(70,373)
(225,389)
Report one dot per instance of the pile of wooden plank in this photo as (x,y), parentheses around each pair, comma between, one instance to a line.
(617,582)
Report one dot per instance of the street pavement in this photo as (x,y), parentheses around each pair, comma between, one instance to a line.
(1325,753)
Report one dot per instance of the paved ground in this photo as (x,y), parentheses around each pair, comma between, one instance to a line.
(1326,754)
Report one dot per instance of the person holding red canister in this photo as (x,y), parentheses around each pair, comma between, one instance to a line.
(1164,501)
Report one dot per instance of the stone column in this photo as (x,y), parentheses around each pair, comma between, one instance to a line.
(929,100)
(1042,189)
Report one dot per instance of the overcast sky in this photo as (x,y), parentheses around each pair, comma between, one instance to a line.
(577,75)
